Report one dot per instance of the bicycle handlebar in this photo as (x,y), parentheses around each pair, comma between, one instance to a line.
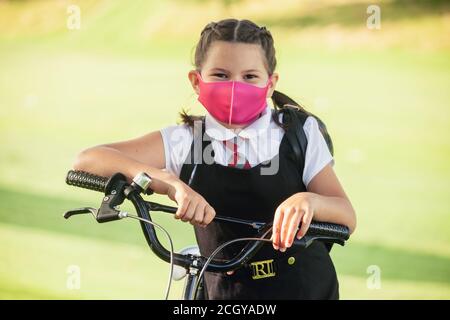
(86,180)
(328,232)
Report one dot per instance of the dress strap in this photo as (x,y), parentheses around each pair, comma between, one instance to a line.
(195,155)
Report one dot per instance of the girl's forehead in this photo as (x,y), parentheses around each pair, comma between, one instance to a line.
(235,56)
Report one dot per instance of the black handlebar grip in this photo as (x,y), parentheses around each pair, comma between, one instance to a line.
(86,180)
(327,229)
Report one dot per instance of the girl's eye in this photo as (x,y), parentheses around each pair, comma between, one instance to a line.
(223,76)
(251,76)
(220,75)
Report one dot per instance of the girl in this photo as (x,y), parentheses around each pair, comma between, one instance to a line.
(250,172)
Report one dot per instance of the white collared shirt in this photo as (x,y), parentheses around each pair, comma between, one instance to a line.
(259,142)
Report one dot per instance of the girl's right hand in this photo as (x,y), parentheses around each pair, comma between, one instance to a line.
(192,206)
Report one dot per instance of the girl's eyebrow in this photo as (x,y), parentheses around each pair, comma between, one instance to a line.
(252,70)
(224,70)
(219,69)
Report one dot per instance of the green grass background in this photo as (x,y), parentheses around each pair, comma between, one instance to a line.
(384,95)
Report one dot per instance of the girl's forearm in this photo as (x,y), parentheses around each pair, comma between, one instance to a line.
(106,161)
(334,209)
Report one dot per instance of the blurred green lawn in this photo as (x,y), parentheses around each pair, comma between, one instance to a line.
(61,91)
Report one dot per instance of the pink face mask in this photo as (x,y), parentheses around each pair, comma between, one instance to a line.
(233,102)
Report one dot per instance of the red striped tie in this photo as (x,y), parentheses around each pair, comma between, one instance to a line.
(236,159)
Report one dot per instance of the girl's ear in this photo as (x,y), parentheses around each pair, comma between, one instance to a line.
(192,76)
(274,79)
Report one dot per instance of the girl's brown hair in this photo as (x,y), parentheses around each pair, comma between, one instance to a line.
(244,31)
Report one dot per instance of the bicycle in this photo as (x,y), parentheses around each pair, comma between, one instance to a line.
(188,261)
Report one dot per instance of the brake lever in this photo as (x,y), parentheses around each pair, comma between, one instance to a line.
(84,210)
(154,206)
(108,210)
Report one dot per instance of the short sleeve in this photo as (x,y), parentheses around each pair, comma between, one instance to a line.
(177,140)
(317,153)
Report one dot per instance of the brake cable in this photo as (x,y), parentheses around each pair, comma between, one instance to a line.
(219,248)
(169,282)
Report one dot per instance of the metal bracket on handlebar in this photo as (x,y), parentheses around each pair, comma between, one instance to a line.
(114,196)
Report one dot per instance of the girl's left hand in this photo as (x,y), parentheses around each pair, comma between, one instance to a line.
(299,208)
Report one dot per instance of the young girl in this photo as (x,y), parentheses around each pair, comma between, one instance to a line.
(250,173)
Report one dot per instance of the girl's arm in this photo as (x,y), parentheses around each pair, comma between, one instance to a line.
(129,157)
(146,154)
(325,201)
(330,202)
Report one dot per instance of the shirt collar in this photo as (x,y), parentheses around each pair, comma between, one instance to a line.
(217,131)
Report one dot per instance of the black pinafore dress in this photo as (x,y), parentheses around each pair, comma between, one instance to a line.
(297,273)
